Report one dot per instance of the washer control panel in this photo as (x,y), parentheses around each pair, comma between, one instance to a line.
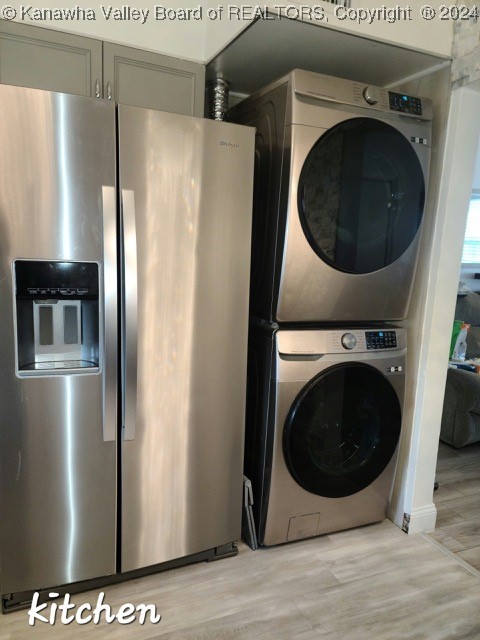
(381,339)
(318,342)
(365,340)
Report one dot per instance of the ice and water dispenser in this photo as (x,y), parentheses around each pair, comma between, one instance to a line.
(57,307)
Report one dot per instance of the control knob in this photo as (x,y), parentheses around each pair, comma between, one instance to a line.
(349,341)
(371,95)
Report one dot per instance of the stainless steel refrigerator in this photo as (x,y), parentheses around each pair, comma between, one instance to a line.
(124,271)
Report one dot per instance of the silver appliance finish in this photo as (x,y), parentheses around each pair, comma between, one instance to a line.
(290,282)
(57,459)
(186,199)
(182,460)
(289,360)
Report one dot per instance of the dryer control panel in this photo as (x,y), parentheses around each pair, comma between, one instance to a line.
(317,86)
(405,104)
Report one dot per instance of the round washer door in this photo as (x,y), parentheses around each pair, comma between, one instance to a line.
(361,195)
(342,430)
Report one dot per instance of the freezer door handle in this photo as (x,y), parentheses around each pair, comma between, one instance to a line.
(129,314)
(110,313)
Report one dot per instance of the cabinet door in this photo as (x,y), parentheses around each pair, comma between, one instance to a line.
(45,59)
(154,81)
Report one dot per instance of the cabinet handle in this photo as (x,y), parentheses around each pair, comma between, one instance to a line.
(97,88)
(109,90)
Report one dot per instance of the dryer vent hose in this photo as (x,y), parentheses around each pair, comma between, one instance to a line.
(217,98)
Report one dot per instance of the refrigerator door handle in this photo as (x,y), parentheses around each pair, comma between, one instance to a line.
(110,313)
(130,299)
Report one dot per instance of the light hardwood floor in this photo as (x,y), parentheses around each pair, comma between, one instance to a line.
(370,583)
(458,501)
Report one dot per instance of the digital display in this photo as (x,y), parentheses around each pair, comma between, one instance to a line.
(381,339)
(55,279)
(405,104)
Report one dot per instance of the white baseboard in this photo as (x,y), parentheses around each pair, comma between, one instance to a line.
(422,519)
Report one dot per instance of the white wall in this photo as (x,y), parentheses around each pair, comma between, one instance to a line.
(432,314)
(222,30)
(201,39)
(476,173)
(437,88)
(466,50)
(434,36)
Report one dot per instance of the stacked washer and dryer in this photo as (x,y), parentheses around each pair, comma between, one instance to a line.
(340,178)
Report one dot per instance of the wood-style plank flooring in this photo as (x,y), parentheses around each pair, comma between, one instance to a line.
(370,583)
(458,501)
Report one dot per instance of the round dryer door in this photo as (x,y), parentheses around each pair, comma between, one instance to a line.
(361,195)
(342,430)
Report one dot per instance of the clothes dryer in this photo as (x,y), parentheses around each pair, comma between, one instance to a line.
(324,417)
(340,180)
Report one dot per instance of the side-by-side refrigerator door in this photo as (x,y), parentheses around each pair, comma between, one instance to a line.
(186,190)
(58,340)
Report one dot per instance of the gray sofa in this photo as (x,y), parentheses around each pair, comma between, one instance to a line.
(461,406)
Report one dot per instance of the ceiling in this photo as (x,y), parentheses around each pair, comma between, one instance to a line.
(268,49)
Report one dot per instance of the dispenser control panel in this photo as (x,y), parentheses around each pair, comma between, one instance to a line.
(59,280)
(55,292)
(58,317)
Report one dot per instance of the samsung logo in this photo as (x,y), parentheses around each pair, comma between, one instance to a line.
(229,145)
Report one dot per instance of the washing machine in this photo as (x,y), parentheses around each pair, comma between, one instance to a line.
(324,415)
(341,170)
